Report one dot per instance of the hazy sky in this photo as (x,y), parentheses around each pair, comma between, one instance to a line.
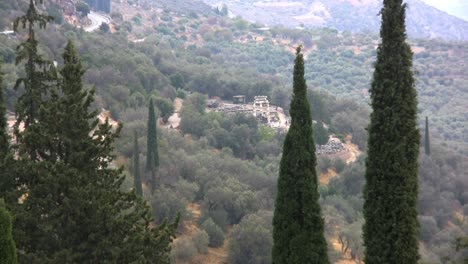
(455,7)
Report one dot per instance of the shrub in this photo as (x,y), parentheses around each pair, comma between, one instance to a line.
(339,165)
(215,233)
(183,249)
(200,240)
(167,205)
(252,240)
(181,94)
(323,163)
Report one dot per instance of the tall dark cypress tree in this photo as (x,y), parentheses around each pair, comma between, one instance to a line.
(297,223)
(4,139)
(7,244)
(136,165)
(391,191)
(427,140)
(152,155)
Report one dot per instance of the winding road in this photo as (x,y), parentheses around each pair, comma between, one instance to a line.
(96,20)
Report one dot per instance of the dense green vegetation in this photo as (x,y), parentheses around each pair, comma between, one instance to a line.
(424,21)
(136,165)
(228,164)
(65,194)
(427,138)
(4,138)
(391,192)
(152,152)
(298,235)
(339,63)
(7,245)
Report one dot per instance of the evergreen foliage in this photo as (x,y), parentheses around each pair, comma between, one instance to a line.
(215,233)
(4,139)
(152,155)
(462,244)
(39,74)
(427,143)
(100,5)
(7,245)
(391,191)
(104,27)
(6,159)
(320,133)
(297,223)
(70,183)
(136,165)
(83,8)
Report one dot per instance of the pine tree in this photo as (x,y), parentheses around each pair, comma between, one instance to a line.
(39,75)
(427,143)
(7,245)
(152,155)
(85,215)
(391,228)
(21,174)
(297,223)
(136,165)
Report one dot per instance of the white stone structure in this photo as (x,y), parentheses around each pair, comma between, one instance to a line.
(261,107)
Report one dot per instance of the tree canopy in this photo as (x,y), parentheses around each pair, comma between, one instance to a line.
(298,232)
(391,190)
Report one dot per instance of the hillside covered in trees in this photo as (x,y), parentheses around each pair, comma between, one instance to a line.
(219,171)
(423,20)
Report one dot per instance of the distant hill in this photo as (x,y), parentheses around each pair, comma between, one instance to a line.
(187,6)
(424,21)
(100,5)
(457,8)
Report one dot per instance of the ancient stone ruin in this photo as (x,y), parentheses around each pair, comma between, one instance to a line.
(333,146)
(270,115)
(265,113)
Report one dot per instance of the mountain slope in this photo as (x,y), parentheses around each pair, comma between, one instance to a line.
(457,8)
(348,15)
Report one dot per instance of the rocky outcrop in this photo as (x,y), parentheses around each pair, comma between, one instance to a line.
(333,146)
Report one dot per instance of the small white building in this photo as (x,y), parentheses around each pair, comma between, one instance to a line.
(261,107)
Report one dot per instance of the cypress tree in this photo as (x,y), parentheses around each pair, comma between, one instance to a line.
(4,138)
(136,165)
(391,228)
(6,159)
(7,245)
(7,178)
(427,143)
(297,223)
(152,155)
